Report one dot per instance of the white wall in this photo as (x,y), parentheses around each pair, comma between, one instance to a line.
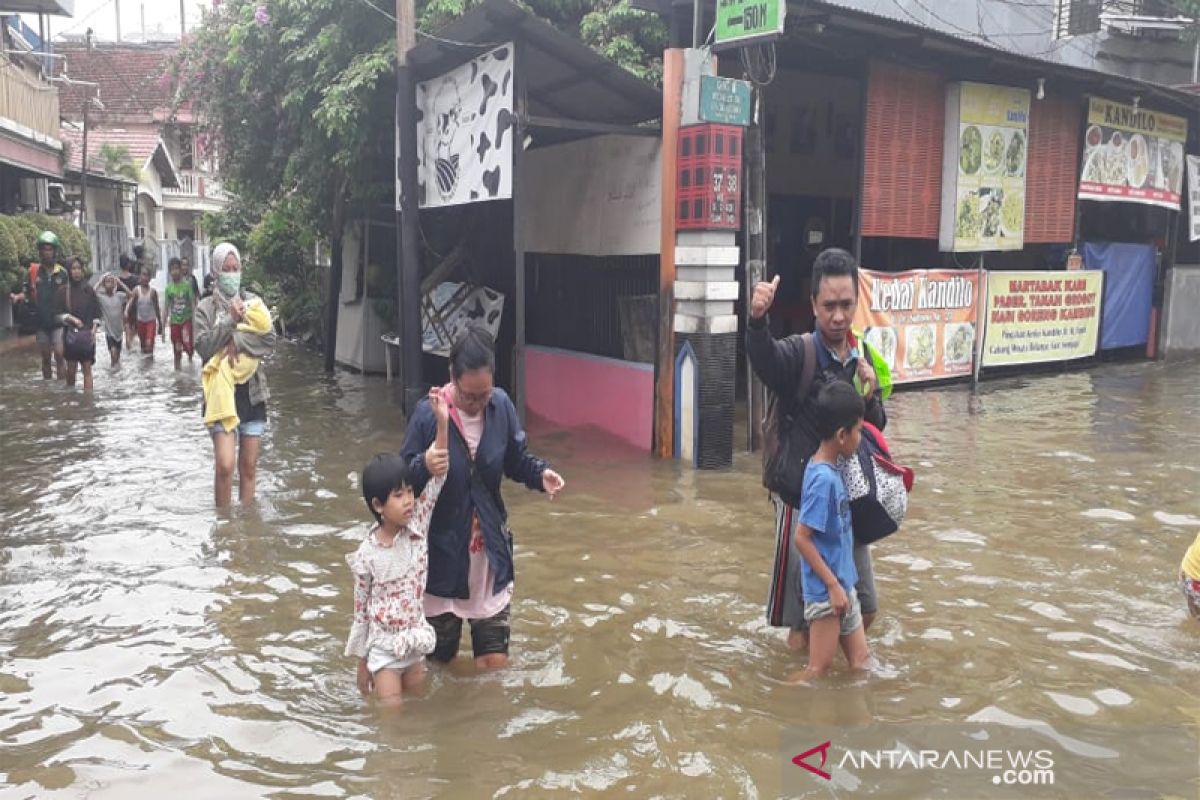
(599,196)
(359,327)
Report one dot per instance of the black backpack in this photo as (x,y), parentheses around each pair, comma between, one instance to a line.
(783,467)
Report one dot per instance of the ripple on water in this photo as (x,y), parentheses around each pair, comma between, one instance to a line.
(1076,705)
(1178,520)
(961,536)
(1108,514)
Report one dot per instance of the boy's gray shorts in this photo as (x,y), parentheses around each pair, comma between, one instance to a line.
(851,620)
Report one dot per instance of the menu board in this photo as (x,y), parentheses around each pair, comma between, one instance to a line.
(921,322)
(1035,317)
(1132,154)
(983,170)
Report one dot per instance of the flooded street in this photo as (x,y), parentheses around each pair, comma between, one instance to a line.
(148,646)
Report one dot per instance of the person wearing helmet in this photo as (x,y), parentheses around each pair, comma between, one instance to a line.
(41,292)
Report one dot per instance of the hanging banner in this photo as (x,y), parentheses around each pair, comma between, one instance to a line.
(1193,171)
(465,129)
(1132,154)
(1035,317)
(921,322)
(983,168)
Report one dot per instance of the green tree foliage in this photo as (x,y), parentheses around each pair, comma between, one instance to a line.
(10,264)
(282,268)
(73,241)
(18,243)
(118,162)
(27,238)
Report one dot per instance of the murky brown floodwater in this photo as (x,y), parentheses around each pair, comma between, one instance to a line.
(150,649)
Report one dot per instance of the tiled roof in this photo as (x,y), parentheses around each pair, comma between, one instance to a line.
(135,79)
(142,144)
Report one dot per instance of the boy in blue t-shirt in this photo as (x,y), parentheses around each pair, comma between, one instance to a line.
(825,538)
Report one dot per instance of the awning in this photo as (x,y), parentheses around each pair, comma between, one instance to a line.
(39,161)
(62,8)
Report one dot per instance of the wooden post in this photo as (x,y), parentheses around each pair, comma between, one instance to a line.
(756,252)
(83,182)
(333,299)
(409,259)
(664,408)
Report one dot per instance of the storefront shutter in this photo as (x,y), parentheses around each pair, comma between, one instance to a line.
(1052,169)
(903,170)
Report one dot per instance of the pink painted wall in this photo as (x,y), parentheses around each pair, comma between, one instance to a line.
(577,389)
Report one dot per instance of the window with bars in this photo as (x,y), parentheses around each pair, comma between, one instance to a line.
(1074,17)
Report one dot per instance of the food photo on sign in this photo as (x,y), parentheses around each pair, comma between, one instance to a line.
(1132,154)
(983,168)
(920,323)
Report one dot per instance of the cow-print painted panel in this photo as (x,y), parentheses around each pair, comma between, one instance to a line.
(464,155)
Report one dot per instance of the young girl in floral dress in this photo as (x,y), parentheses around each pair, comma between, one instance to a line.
(390,636)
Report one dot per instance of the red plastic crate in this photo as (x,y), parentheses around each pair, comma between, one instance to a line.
(709,179)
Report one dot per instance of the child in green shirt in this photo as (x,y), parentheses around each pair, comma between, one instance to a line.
(181,306)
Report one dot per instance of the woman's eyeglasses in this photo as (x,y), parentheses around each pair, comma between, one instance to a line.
(474,398)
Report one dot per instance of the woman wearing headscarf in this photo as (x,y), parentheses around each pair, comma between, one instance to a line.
(80,314)
(222,326)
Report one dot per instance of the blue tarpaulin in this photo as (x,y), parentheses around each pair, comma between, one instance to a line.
(1128,290)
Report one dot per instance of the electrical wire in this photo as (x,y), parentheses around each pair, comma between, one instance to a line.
(82,20)
(759,64)
(431,36)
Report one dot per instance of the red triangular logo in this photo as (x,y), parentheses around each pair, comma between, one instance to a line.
(823,749)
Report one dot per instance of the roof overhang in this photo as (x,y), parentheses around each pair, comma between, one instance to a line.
(864,35)
(861,34)
(62,8)
(100,179)
(161,160)
(35,159)
(564,79)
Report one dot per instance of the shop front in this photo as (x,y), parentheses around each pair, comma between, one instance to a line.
(972,184)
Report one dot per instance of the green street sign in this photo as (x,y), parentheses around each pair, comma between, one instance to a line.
(742,21)
(724,100)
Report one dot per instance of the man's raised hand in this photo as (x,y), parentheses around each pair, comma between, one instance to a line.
(764,296)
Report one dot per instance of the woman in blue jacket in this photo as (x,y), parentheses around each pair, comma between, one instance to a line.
(470,545)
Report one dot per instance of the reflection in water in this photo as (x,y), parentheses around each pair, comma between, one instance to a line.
(147,644)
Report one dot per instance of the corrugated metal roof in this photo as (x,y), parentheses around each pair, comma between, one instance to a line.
(563,77)
(887,23)
(832,13)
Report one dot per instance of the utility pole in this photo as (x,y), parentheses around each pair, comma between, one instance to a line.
(182,19)
(87,104)
(409,259)
(117,8)
(83,183)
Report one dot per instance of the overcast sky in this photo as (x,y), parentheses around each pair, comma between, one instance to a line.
(162,18)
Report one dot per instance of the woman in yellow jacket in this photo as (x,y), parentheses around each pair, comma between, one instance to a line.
(1189,578)
(232,335)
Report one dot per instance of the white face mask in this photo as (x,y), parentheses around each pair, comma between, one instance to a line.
(229,282)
